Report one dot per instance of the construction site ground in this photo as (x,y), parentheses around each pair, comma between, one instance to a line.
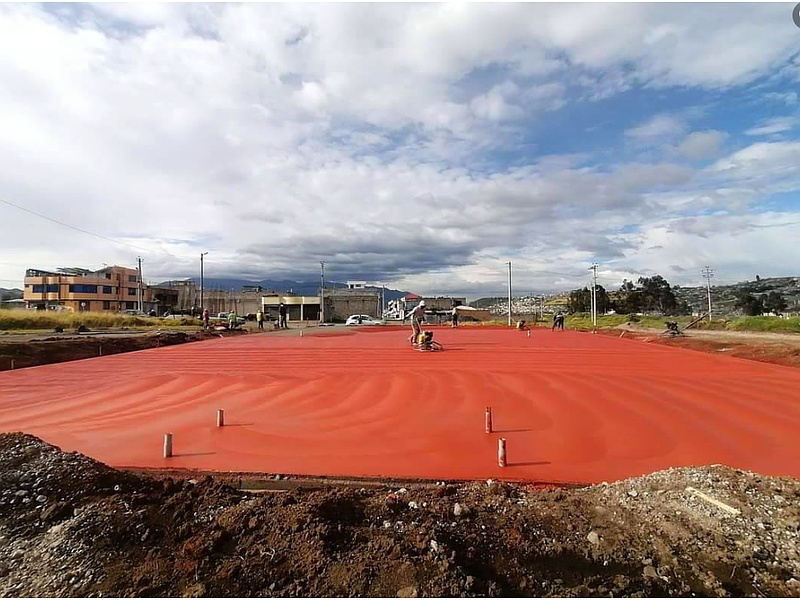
(382,504)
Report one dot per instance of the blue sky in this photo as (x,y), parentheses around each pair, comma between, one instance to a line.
(420,146)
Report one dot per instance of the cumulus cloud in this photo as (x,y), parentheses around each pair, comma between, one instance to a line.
(418,145)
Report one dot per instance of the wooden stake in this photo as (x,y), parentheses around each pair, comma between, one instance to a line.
(220,417)
(501,452)
(717,503)
(167,445)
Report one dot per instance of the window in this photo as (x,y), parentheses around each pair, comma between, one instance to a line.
(52,288)
(80,288)
(131,291)
(132,279)
(108,275)
(106,305)
(107,289)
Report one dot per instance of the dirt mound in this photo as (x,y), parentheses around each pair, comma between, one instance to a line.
(70,526)
(32,351)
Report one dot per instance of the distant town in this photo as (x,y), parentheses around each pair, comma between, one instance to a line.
(121,289)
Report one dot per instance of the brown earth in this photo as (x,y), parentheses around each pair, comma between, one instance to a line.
(776,348)
(70,526)
(30,350)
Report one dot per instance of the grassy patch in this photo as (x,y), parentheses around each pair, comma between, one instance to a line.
(19,320)
(769,324)
(583,321)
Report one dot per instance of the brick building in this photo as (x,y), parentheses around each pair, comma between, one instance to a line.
(109,289)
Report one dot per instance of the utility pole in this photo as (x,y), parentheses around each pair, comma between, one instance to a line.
(202,307)
(322,292)
(593,268)
(141,298)
(509,293)
(708,273)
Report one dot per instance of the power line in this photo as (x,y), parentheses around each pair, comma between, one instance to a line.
(56,221)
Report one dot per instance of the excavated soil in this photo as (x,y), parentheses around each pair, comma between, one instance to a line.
(20,351)
(775,348)
(70,526)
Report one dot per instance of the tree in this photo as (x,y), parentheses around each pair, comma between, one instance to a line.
(683,308)
(579,301)
(648,294)
(749,304)
(603,301)
(629,299)
(774,302)
(658,294)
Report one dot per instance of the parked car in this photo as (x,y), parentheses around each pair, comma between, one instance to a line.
(223,317)
(133,313)
(363,320)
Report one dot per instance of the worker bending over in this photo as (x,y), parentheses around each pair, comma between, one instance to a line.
(417,317)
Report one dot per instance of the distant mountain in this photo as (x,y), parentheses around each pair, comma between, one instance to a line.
(303,288)
(12,294)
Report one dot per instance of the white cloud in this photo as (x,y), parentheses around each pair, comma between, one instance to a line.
(657,128)
(774,125)
(396,142)
(767,161)
(702,144)
(787,98)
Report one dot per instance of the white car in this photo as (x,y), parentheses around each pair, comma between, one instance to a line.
(363,320)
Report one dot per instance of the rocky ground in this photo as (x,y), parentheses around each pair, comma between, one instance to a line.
(70,526)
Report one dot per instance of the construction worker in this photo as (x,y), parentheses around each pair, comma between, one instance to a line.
(232,320)
(282,316)
(417,317)
(205,318)
(260,318)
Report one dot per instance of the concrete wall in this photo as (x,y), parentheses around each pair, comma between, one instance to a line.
(340,304)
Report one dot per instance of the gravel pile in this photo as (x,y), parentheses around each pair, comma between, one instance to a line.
(70,526)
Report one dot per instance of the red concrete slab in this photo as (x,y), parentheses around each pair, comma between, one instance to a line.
(573,407)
